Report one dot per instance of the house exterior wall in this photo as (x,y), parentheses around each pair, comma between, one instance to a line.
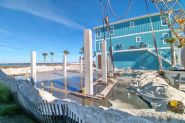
(126,40)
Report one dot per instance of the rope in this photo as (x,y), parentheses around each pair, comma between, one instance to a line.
(153,36)
(114,13)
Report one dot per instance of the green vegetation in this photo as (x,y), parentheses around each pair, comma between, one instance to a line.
(66,52)
(172,41)
(5,95)
(44,55)
(10,112)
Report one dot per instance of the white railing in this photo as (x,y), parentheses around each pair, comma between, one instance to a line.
(164,56)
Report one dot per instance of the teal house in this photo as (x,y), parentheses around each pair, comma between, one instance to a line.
(133,45)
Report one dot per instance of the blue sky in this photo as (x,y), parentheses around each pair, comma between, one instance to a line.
(53,25)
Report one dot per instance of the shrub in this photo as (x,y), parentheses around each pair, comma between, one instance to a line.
(10,109)
(5,94)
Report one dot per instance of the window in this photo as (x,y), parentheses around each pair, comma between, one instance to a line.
(131,24)
(165,36)
(138,39)
(163,22)
(98,33)
(112,30)
(99,45)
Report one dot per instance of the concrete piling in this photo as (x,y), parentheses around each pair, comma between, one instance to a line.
(33,67)
(104,61)
(88,61)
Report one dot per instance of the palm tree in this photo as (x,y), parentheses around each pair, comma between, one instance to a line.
(66,52)
(81,51)
(172,41)
(52,54)
(44,55)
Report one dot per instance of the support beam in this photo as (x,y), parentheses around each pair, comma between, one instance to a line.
(33,68)
(88,61)
(104,61)
(65,65)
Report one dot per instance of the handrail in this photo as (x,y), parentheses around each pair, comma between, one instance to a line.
(162,54)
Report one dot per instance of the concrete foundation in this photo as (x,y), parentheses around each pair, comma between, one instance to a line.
(104,61)
(33,68)
(88,61)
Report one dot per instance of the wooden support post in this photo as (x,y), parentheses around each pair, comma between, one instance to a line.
(51,88)
(104,61)
(88,61)
(42,86)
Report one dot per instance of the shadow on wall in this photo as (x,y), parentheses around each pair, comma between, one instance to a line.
(137,60)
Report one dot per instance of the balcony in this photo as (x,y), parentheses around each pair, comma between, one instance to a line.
(139,47)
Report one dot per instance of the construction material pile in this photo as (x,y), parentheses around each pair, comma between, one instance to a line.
(156,91)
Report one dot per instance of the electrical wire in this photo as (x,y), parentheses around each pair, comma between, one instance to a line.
(114,13)
(153,35)
(102,9)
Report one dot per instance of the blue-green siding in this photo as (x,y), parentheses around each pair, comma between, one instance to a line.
(125,36)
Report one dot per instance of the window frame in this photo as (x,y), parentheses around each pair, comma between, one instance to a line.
(161,19)
(163,37)
(98,36)
(99,46)
(137,38)
(132,23)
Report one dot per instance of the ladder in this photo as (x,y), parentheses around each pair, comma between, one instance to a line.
(174,16)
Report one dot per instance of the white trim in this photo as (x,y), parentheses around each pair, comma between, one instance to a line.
(127,20)
(163,37)
(97,33)
(138,37)
(131,50)
(161,19)
(99,45)
(132,24)
(134,34)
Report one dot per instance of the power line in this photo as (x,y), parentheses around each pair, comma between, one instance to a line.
(153,35)
(114,13)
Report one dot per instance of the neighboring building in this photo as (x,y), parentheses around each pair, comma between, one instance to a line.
(133,45)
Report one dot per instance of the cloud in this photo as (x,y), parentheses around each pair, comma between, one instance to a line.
(40,8)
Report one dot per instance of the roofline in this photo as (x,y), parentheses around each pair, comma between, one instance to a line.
(130,19)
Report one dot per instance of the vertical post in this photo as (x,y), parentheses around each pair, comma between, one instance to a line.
(64,65)
(81,65)
(104,61)
(33,67)
(51,88)
(108,63)
(81,72)
(88,61)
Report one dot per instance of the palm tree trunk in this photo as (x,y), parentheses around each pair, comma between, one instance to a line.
(44,59)
(172,55)
(183,56)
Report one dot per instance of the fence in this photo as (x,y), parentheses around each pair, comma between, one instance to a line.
(46,112)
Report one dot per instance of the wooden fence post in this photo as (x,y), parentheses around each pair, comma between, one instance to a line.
(51,88)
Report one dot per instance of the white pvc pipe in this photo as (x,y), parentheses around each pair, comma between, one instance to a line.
(33,68)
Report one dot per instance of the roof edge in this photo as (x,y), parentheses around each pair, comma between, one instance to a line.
(129,19)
